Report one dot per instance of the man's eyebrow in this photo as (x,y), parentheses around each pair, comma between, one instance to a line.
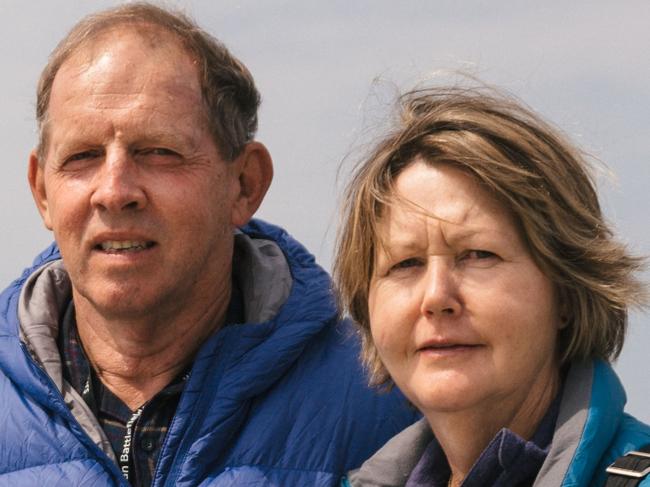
(164,137)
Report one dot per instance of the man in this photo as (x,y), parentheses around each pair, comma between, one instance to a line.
(165,339)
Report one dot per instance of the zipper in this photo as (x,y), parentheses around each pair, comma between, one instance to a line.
(186,378)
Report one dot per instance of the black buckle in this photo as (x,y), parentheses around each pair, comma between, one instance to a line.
(631,471)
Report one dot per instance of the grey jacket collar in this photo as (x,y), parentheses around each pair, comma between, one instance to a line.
(393,463)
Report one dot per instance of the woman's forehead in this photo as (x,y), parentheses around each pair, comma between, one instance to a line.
(443,192)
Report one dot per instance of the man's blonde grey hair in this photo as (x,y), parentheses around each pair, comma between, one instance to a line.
(230,97)
(536,173)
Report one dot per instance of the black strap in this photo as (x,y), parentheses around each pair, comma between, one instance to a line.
(124,457)
(630,469)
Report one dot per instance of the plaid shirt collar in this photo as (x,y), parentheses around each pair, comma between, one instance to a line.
(151,426)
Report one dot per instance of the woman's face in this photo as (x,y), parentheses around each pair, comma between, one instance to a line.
(462,317)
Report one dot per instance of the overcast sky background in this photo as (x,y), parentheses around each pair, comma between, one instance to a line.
(327,70)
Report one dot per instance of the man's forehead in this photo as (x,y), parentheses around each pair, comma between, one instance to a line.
(132,56)
(146,36)
(119,64)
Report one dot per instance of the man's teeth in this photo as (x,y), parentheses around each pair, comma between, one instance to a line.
(124,245)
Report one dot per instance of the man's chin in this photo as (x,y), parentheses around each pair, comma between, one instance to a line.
(119,301)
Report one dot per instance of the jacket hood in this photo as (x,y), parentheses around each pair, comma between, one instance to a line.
(286,298)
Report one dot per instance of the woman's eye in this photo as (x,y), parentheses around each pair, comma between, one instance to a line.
(406,263)
(479,254)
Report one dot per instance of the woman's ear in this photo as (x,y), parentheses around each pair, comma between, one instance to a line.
(255,169)
(564,313)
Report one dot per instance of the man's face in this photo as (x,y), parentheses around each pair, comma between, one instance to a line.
(141,204)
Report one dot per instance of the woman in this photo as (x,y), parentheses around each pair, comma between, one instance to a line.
(486,285)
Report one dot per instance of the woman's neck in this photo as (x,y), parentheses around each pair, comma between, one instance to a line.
(463,435)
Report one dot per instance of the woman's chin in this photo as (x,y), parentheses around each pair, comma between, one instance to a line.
(447,392)
(451,403)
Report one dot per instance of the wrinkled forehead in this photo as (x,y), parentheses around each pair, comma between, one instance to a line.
(444,195)
(421,181)
(137,41)
(125,60)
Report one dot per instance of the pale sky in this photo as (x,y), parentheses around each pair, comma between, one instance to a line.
(327,71)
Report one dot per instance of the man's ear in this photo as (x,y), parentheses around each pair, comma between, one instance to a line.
(255,169)
(37,185)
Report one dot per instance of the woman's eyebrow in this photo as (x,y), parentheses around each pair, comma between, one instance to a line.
(454,233)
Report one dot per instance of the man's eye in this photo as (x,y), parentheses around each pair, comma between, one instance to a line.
(81,156)
(158,151)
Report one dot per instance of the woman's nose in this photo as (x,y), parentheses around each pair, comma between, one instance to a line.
(440,296)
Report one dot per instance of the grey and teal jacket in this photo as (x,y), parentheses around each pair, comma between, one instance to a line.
(591,431)
(279,400)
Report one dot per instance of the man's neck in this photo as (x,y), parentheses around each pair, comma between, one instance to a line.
(137,357)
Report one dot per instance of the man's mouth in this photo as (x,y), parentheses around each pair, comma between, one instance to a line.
(115,246)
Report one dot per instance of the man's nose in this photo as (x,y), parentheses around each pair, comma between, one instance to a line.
(440,296)
(117,183)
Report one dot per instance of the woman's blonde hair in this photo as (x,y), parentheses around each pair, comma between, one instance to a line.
(530,167)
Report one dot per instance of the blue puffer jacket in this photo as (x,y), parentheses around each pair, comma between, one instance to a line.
(591,432)
(280,402)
